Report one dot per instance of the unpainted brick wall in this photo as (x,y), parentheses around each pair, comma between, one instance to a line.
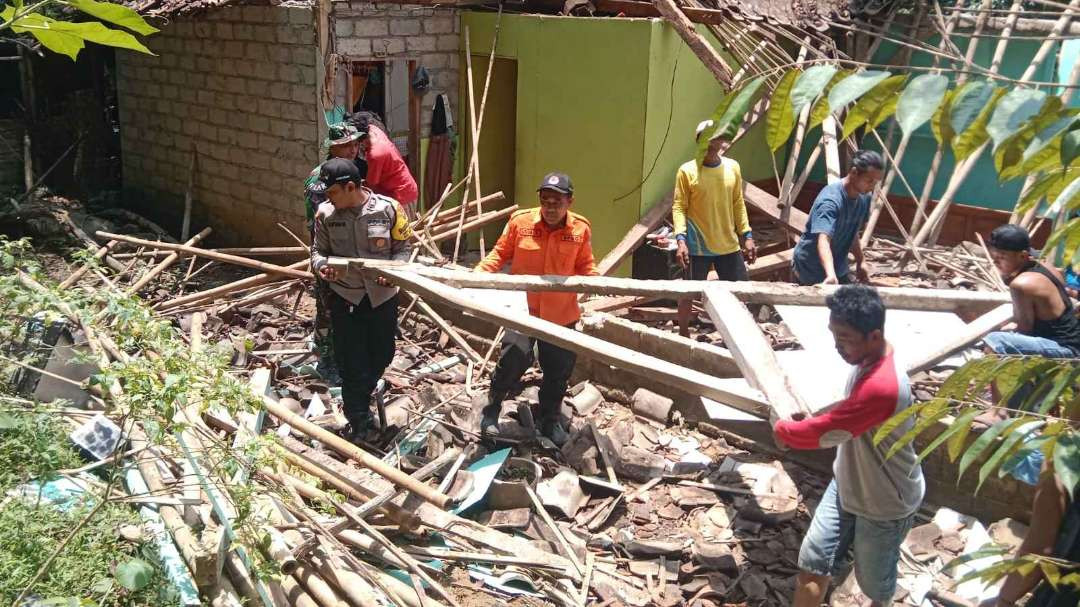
(238,83)
(429,35)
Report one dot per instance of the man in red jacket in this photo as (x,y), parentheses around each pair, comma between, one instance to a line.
(387,173)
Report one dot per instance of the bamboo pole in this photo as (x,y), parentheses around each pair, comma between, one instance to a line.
(785,199)
(355,453)
(225,289)
(165,263)
(932,227)
(223,257)
(83,269)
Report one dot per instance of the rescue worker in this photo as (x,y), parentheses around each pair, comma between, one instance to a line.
(357,222)
(342,141)
(549,239)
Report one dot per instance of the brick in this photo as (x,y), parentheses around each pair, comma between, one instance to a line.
(191,128)
(183,142)
(247,139)
(305,36)
(288,73)
(420,43)
(370,27)
(304,132)
(298,112)
(280,53)
(207,132)
(288,35)
(142,73)
(223,30)
(205,64)
(405,27)
(219,117)
(280,90)
(153,90)
(439,24)
(307,75)
(356,47)
(448,42)
(255,51)
(234,49)
(243,31)
(169,60)
(186,63)
(270,107)
(304,56)
(237,189)
(163,106)
(264,33)
(177,77)
(172,124)
(235,85)
(256,14)
(387,46)
(203,29)
(259,123)
(215,82)
(303,93)
(299,15)
(205,97)
(343,28)
(183,29)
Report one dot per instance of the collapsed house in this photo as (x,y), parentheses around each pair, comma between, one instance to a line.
(669,489)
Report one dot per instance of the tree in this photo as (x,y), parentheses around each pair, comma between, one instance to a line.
(69,37)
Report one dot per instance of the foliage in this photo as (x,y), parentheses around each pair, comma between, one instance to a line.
(32,446)
(69,37)
(89,566)
(155,388)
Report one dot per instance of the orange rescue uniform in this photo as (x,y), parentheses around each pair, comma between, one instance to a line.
(531,247)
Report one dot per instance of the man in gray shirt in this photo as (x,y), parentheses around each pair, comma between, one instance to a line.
(356,222)
(871,502)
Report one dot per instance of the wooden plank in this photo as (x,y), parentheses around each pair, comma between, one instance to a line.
(753,352)
(770,205)
(976,329)
(712,60)
(635,236)
(746,291)
(734,393)
(222,257)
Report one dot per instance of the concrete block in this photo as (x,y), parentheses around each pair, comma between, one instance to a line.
(255,51)
(439,24)
(207,132)
(269,143)
(305,35)
(356,47)
(304,56)
(190,128)
(420,43)
(142,73)
(264,33)
(387,46)
(288,73)
(169,91)
(247,139)
(405,27)
(219,117)
(435,61)
(287,35)
(299,15)
(280,90)
(223,31)
(448,42)
(371,26)
(182,142)
(183,29)
(256,14)
(270,108)
(204,29)
(243,31)
(205,64)
(303,93)
(343,28)
(307,75)
(205,98)
(185,63)
(215,82)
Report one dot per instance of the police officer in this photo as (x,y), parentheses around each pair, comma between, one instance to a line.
(356,222)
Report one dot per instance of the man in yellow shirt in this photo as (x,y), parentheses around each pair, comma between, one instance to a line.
(711,223)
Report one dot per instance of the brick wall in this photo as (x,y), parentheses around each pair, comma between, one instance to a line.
(238,83)
(428,35)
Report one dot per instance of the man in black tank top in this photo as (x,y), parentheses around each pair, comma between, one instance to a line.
(1046,323)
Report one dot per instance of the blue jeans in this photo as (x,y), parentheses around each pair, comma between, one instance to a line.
(1010,342)
(876,546)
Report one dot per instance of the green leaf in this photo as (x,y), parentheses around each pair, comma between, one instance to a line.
(1021,454)
(134,574)
(1014,109)
(820,110)
(779,119)
(939,124)
(1045,138)
(985,439)
(896,421)
(729,114)
(117,14)
(929,416)
(1064,232)
(958,440)
(1070,144)
(1066,378)
(1067,460)
(854,86)
(958,425)
(970,110)
(809,85)
(976,555)
(1065,199)
(96,32)
(869,105)
(8,421)
(1008,445)
(920,100)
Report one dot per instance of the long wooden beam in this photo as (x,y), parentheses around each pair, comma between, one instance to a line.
(975,330)
(635,236)
(223,257)
(708,55)
(753,353)
(734,393)
(908,298)
(770,205)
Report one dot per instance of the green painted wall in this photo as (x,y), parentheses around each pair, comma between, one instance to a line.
(581,99)
(612,102)
(981,188)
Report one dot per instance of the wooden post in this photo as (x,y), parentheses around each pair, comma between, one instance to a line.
(697,43)
(753,353)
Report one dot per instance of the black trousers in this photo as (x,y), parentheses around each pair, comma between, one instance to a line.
(364,346)
(556,363)
(728,267)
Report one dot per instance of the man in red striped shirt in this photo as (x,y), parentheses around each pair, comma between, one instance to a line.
(871,502)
